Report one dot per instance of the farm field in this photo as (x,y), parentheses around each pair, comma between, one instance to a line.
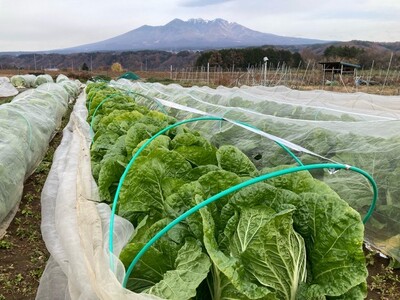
(191,76)
(200,150)
(20,282)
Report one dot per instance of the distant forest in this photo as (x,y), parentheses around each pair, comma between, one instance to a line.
(366,54)
(130,60)
(249,57)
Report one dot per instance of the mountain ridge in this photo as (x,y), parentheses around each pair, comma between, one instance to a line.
(193,34)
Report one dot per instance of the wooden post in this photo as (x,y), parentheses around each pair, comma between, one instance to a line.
(387,72)
(208,73)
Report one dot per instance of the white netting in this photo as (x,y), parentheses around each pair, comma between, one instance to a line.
(61,77)
(27,124)
(23,81)
(6,88)
(358,129)
(44,78)
(75,227)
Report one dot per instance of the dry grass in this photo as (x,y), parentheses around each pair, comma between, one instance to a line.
(302,80)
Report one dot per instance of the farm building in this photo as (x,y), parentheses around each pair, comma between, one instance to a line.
(338,67)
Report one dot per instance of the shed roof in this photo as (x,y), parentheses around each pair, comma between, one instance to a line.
(130,75)
(340,63)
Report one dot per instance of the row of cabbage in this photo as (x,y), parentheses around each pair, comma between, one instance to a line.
(280,101)
(27,124)
(6,88)
(26,80)
(288,238)
(232,247)
(356,129)
(32,81)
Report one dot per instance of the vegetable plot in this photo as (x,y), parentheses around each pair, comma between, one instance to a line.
(291,237)
(26,126)
(6,89)
(23,81)
(358,129)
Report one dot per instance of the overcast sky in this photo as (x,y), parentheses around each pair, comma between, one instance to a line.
(53,24)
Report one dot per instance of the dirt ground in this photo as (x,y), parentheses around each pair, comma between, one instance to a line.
(23,254)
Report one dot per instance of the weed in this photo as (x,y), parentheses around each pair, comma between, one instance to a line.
(37,256)
(29,233)
(5,281)
(386,284)
(29,197)
(41,180)
(370,258)
(44,166)
(36,273)
(18,221)
(19,277)
(27,211)
(6,244)
(38,189)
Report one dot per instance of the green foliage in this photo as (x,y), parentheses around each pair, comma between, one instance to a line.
(4,244)
(249,57)
(386,284)
(343,51)
(290,238)
(158,277)
(101,78)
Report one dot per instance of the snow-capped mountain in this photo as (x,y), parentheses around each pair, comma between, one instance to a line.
(194,34)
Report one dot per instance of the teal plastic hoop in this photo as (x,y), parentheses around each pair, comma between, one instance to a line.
(245,184)
(122,179)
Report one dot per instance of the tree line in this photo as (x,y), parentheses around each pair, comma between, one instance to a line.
(248,58)
(364,55)
(349,52)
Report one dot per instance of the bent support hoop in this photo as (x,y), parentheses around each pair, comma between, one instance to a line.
(245,184)
(284,147)
(122,179)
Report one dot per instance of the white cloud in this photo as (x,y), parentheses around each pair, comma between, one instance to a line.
(197,3)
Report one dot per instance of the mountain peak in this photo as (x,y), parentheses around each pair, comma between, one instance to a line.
(197,21)
(203,21)
(193,34)
(219,20)
(175,21)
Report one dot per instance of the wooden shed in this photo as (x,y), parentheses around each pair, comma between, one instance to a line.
(330,68)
